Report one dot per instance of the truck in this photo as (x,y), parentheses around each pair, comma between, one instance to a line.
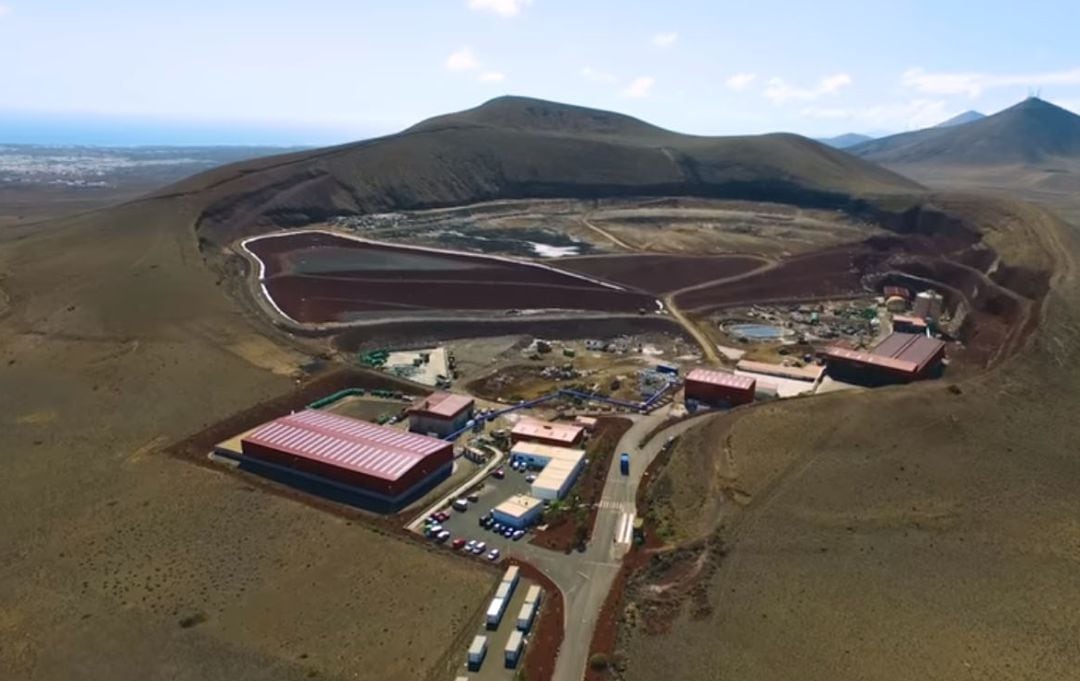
(624,463)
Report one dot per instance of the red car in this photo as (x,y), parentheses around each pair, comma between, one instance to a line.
(442,516)
(457,544)
(498,474)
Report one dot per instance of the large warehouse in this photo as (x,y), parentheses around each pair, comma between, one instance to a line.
(718,388)
(440,414)
(547,433)
(900,358)
(382,464)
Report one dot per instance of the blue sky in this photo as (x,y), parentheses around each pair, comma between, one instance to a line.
(323,71)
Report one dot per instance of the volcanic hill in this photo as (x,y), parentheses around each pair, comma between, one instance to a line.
(514,147)
(1033,132)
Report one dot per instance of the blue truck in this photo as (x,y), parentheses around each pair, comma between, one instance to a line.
(624,463)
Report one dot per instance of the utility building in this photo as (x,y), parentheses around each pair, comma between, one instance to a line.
(718,388)
(518,511)
(545,432)
(374,462)
(440,414)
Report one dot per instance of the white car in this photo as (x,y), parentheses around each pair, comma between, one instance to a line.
(493,555)
(470,545)
(479,547)
(530,478)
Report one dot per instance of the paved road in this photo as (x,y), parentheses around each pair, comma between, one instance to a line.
(586,578)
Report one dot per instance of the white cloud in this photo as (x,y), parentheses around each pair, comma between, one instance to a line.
(505,8)
(910,115)
(666,39)
(974,83)
(779,91)
(639,87)
(589,73)
(4,10)
(492,77)
(462,60)
(740,81)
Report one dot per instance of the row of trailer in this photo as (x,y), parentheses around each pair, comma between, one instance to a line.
(526,615)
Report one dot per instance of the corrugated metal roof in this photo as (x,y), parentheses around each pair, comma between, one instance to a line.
(442,404)
(563,432)
(347,443)
(920,349)
(721,378)
(868,358)
(909,347)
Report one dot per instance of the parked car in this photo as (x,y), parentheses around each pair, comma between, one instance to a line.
(508,532)
(473,498)
(530,478)
(458,544)
(498,473)
(443,536)
(443,516)
(470,545)
(518,534)
(434,530)
(480,547)
(461,505)
(493,554)
(497,527)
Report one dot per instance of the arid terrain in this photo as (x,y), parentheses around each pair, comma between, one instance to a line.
(921,530)
(925,531)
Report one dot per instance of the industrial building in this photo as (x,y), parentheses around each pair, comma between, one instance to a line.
(909,324)
(519,511)
(561,466)
(545,432)
(332,452)
(900,358)
(928,305)
(440,414)
(718,388)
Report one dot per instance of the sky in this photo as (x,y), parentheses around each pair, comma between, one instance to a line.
(328,71)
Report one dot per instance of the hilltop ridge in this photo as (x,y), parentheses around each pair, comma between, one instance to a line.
(519,148)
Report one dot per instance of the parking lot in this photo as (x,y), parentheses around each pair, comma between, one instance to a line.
(492,492)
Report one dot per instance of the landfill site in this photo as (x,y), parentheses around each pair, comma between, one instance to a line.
(501,453)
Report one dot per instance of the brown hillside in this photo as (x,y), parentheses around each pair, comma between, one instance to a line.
(514,147)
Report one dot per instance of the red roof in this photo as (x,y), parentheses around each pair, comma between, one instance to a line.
(442,405)
(562,432)
(836,352)
(897,291)
(905,319)
(721,378)
(347,443)
(910,347)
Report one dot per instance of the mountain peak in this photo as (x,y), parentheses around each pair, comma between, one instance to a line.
(969,116)
(1031,132)
(539,115)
